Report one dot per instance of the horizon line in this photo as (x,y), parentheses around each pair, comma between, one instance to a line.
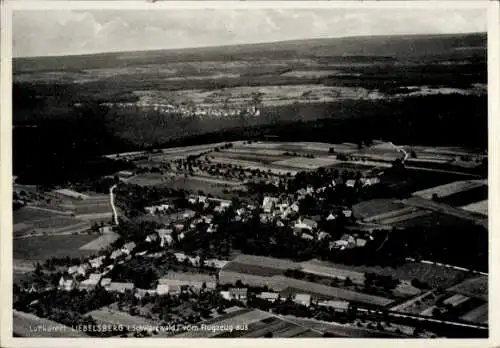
(246,44)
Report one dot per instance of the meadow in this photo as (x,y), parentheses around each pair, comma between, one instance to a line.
(45,247)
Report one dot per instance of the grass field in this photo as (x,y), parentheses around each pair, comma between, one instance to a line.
(42,248)
(28,215)
(100,242)
(473,287)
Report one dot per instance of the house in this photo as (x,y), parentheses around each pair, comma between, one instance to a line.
(306,224)
(193,280)
(166,240)
(295,207)
(119,287)
(73,269)
(350,183)
(307,236)
(265,217)
(239,294)
(180,257)
(116,254)
(348,238)
(330,217)
(171,289)
(225,295)
(188,214)
(302,299)
(153,237)
(347,213)
(309,189)
(322,235)
(67,283)
(211,228)
(128,248)
(360,242)
(105,282)
(268,203)
(208,218)
(336,305)
(140,293)
(280,223)
(96,262)
(215,263)
(269,296)
(82,269)
(179,227)
(105,229)
(240,211)
(91,282)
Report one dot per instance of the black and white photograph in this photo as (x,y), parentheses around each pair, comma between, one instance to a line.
(235,172)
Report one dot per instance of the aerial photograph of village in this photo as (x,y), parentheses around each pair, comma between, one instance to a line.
(323,176)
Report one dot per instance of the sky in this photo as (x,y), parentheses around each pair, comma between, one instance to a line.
(65,32)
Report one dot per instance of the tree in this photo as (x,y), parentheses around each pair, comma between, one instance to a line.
(347,282)
(331,150)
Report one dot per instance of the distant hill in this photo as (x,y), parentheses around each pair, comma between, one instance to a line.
(402,47)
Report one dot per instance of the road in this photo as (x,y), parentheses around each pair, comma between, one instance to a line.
(112,201)
(422,318)
(447,266)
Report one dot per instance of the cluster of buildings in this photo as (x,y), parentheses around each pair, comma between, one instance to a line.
(185,110)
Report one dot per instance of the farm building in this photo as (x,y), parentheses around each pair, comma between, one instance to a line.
(171,289)
(338,306)
(125,174)
(302,299)
(307,224)
(140,293)
(193,280)
(105,282)
(96,262)
(91,282)
(269,296)
(120,287)
(239,294)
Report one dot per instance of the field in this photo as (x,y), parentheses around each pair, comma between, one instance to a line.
(370,210)
(307,163)
(450,189)
(272,325)
(100,242)
(477,207)
(30,221)
(212,186)
(26,324)
(432,274)
(477,315)
(474,287)
(42,248)
(148,179)
(244,318)
(110,316)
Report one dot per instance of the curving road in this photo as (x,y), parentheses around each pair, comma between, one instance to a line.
(112,201)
